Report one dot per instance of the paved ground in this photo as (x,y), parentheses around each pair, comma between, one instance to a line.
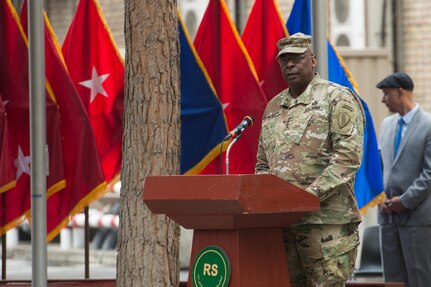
(65,264)
(21,270)
(69,264)
(61,264)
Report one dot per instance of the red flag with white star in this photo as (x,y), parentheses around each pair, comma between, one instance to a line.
(235,80)
(97,70)
(264,28)
(14,88)
(83,172)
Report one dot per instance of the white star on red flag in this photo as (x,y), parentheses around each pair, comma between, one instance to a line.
(95,84)
(22,163)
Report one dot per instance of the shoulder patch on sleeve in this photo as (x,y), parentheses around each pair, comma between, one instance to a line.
(345,117)
(343,120)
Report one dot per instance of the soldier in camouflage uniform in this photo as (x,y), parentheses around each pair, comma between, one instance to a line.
(312,136)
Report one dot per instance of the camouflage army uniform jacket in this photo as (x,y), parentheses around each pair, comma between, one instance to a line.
(315,142)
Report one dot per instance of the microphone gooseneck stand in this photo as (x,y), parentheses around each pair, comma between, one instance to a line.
(227,152)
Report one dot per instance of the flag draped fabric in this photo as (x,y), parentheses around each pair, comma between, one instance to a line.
(97,70)
(7,172)
(14,89)
(7,169)
(264,28)
(235,80)
(369,179)
(83,172)
(203,125)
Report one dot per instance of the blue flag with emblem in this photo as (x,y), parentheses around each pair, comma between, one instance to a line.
(369,179)
(203,124)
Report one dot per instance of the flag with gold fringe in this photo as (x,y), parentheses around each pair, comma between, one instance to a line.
(83,172)
(235,80)
(203,124)
(14,89)
(97,69)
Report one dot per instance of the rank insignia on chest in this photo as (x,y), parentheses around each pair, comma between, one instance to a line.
(287,122)
(311,108)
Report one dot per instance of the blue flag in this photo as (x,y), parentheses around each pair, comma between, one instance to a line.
(203,124)
(369,179)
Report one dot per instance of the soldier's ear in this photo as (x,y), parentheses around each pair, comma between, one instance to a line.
(313,60)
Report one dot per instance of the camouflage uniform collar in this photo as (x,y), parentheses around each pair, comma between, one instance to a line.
(305,98)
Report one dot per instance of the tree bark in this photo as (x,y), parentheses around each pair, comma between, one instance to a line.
(148,244)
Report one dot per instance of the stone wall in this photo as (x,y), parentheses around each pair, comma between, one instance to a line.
(417,47)
(60,14)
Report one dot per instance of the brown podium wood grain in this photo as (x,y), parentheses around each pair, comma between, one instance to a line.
(242,214)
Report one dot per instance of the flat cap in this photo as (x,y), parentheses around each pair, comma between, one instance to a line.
(397,80)
(297,43)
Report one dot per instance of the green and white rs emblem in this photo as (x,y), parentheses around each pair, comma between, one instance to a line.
(211,268)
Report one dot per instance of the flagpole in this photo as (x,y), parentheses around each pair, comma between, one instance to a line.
(37,142)
(319,36)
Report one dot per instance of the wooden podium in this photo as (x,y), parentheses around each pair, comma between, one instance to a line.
(242,214)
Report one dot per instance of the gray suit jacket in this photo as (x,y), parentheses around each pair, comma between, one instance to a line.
(409,174)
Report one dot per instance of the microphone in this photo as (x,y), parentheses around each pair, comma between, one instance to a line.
(246,122)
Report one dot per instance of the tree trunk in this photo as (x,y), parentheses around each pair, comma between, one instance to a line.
(148,244)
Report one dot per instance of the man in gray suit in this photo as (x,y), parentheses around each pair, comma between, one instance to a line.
(405,215)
